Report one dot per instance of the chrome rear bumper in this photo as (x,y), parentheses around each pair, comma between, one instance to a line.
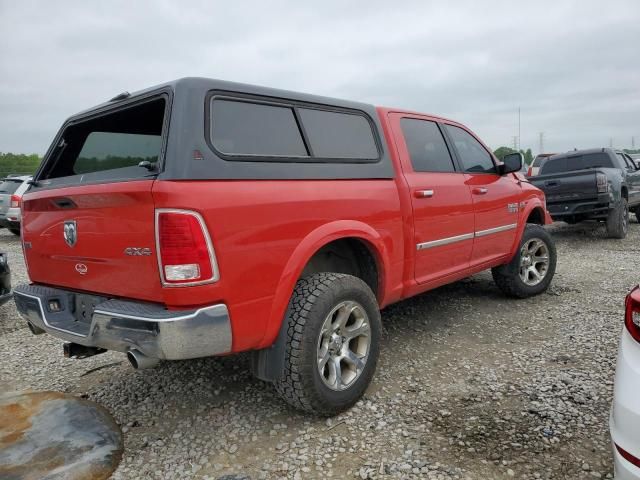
(124,325)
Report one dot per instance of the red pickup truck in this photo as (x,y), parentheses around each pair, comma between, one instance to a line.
(203,217)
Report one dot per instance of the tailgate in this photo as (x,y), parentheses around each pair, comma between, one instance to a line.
(568,186)
(89,215)
(94,238)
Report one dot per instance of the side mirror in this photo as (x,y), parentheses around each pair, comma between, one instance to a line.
(511,163)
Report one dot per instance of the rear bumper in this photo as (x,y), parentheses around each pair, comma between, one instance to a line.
(126,325)
(10,219)
(593,208)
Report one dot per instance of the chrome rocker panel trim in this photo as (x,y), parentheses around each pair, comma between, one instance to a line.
(124,325)
(465,236)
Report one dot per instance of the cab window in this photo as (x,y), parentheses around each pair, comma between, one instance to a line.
(473,156)
(427,148)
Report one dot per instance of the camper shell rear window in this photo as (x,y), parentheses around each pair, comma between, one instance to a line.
(117,145)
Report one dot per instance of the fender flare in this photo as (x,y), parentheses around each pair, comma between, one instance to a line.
(267,363)
(532,203)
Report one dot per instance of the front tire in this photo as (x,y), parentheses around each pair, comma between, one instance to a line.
(531,270)
(618,220)
(333,343)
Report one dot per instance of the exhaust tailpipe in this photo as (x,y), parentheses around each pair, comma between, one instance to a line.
(35,330)
(139,361)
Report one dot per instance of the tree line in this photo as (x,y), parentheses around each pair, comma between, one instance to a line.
(19,163)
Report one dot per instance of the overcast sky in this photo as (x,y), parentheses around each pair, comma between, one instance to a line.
(573,67)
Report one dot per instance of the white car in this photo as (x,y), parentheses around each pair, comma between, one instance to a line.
(625,413)
(537,163)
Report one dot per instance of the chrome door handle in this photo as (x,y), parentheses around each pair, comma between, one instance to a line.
(480,191)
(423,193)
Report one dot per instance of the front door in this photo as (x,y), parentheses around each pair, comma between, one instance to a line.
(495,198)
(442,207)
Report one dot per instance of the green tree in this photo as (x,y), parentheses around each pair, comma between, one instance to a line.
(501,152)
(18,163)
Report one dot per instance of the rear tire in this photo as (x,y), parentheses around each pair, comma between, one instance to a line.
(532,268)
(15,231)
(327,367)
(618,220)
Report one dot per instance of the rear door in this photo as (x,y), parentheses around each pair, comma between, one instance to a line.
(495,197)
(442,207)
(88,222)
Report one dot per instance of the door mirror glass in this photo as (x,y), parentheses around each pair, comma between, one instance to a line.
(511,163)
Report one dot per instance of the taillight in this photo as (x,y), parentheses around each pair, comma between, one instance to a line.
(15,201)
(185,251)
(632,313)
(603,184)
(530,171)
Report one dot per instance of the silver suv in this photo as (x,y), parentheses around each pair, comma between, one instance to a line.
(11,190)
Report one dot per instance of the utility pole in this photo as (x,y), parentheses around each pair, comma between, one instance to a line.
(515,142)
(633,143)
(541,142)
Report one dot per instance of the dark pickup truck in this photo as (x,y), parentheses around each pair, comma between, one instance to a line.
(598,184)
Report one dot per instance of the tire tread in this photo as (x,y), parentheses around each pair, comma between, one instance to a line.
(295,385)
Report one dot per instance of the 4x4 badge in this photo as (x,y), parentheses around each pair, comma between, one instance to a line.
(70,232)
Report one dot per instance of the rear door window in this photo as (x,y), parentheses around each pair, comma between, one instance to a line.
(474,157)
(109,147)
(625,161)
(426,146)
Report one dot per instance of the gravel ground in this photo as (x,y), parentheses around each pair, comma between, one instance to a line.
(470,385)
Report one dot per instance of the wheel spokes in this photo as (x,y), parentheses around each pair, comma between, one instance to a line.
(361,330)
(344,313)
(353,359)
(343,345)
(534,261)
